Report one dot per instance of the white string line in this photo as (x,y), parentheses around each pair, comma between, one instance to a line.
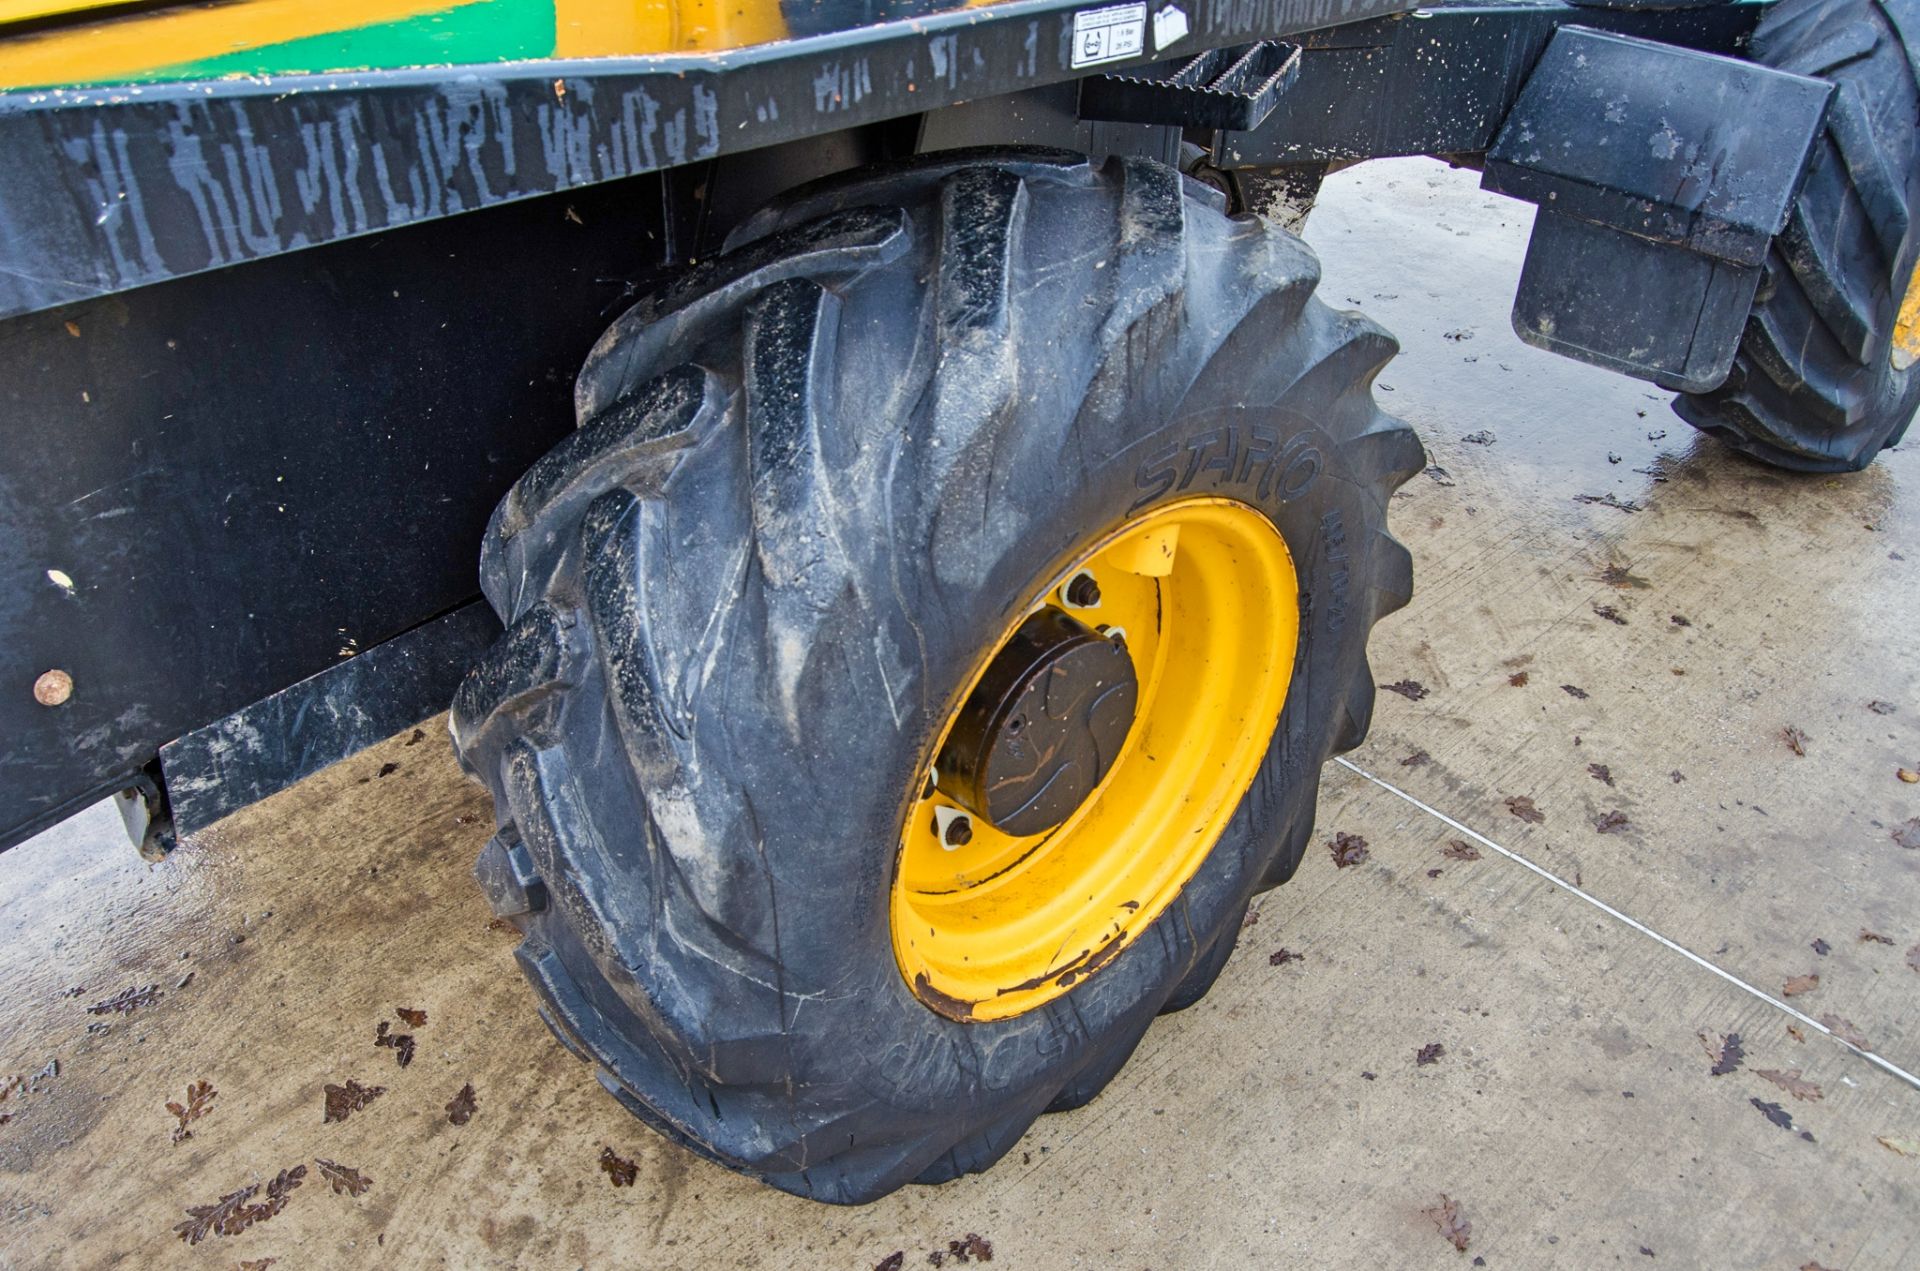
(1637,925)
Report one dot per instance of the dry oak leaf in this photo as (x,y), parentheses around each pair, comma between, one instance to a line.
(346,1180)
(1611,823)
(1576,692)
(1412,690)
(970,1248)
(461,1107)
(1522,806)
(200,1096)
(1347,849)
(1906,1147)
(892,1262)
(1800,984)
(1845,1030)
(1726,1053)
(619,1170)
(231,1214)
(1795,739)
(1428,1054)
(1873,937)
(1446,1217)
(344,1101)
(1280,957)
(1601,773)
(410,1017)
(1518,679)
(1460,850)
(401,1043)
(1791,1082)
(1906,835)
(1415,759)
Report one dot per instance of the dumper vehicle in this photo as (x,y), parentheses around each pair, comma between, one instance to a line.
(928,527)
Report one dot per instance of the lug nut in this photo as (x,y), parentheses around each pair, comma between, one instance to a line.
(960,831)
(1081,591)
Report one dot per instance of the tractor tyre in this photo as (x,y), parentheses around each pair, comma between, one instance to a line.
(924,648)
(1824,377)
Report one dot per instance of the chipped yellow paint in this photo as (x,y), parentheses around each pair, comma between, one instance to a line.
(1906,327)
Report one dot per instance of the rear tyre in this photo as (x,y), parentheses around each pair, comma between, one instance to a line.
(814,482)
(1823,380)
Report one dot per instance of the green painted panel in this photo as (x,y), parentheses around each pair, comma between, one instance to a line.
(484,31)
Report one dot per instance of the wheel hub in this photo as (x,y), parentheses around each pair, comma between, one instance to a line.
(1043,726)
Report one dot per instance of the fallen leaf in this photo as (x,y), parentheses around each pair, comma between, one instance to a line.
(1799,984)
(1881,708)
(410,1017)
(1906,835)
(1460,850)
(1608,500)
(1415,759)
(1575,691)
(1796,1034)
(1873,937)
(970,1248)
(1610,614)
(127,1001)
(1725,1053)
(1435,873)
(1428,1054)
(1790,1081)
(1795,739)
(1619,576)
(200,1096)
(1347,849)
(1906,1147)
(892,1262)
(621,1172)
(231,1214)
(1821,947)
(1611,823)
(1845,1030)
(1677,620)
(1775,1113)
(346,1180)
(1518,679)
(1913,957)
(1280,957)
(1252,916)
(1412,690)
(1446,1217)
(344,1101)
(1601,773)
(461,1107)
(1522,806)
(401,1043)
(1440,475)
(1677,776)
(416,739)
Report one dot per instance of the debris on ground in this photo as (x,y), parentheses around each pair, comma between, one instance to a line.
(1610,614)
(1574,691)
(1280,957)
(1906,835)
(231,1214)
(1608,501)
(1347,849)
(620,1171)
(1845,1029)
(1601,773)
(1795,739)
(1611,823)
(1415,759)
(410,1017)
(1440,475)
(1873,937)
(1879,707)
(1460,850)
(127,1001)
(1428,1054)
(1518,679)
(1798,984)
(1791,1082)
(1452,1226)
(1905,1147)
(1522,806)
(401,1043)
(1725,1054)
(1820,947)
(346,1180)
(1412,690)
(1779,1116)
(343,1101)
(461,1107)
(200,1096)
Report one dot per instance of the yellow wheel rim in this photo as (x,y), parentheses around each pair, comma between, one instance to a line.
(1206,595)
(1906,327)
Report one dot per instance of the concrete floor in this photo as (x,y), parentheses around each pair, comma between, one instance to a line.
(1572,1117)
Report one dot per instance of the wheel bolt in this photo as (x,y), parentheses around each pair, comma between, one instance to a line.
(1082,592)
(959,831)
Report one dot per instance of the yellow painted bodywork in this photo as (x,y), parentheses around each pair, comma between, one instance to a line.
(1206,593)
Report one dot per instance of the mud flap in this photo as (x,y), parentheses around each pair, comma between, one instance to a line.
(1661,174)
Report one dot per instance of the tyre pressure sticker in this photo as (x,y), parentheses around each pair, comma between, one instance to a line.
(1109,34)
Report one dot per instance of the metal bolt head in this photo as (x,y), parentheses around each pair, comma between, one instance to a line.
(53,688)
(959,831)
(1082,592)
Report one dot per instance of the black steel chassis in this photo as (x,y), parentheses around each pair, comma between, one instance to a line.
(271,351)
